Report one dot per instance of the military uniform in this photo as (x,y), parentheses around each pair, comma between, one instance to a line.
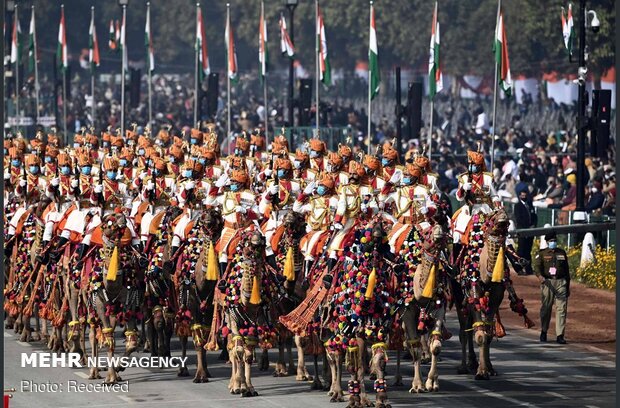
(552,265)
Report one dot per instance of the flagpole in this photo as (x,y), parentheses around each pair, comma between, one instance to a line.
(196,68)
(264,45)
(369,84)
(92,69)
(36,66)
(228,127)
(15,24)
(430,130)
(123,63)
(499,6)
(318,59)
(148,64)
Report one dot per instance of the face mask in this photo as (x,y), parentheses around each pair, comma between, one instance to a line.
(192,141)
(329,168)
(89,145)
(106,144)
(187,173)
(6,152)
(130,142)
(123,162)
(34,169)
(297,164)
(314,154)
(406,181)
(111,175)
(114,149)
(65,170)
(202,160)
(76,145)
(149,162)
(553,244)
(234,187)
(321,190)
(385,162)
(473,168)
(238,152)
(86,170)
(15,162)
(281,173)
(48,159)
(158,142)
(156,172)
(140,152)
(172,159)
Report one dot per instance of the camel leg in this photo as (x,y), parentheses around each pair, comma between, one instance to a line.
(263,364)
(238,352)
(398,378)
(335,364)
(316,382)
(480,337)
(409,321)
(426,354)
(327,372)
(289,351)
(280,365)
(92,336)
(26,330)
(200,338)
(362,367)
(432,382)
(302,371)
(183,371)
(247,365)
(377,365)
(38,325)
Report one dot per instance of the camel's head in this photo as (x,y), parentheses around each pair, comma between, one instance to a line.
(41,206)
(498,223)
(254,245)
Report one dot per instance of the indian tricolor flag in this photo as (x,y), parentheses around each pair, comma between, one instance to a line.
(148,41)
(231,52)
(435,78)
(324,67)
(16,45)
(286,45)
(123,43)
(61,51)
(93,45)
(500,47)
(263,55)
(201,46)
(32,44)
(568,29)
(373,57)
(112,43)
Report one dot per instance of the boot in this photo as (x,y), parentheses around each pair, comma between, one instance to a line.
(560,339)
(543,337)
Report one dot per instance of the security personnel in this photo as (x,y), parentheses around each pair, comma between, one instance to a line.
(552,264)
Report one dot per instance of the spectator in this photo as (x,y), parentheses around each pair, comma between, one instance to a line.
(525,217)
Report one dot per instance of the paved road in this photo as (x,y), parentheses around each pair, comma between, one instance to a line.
(531,375)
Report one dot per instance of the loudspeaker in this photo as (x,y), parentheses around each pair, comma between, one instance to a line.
(414,109)
(213,91)
(134,87)
(305,101)
(601,116)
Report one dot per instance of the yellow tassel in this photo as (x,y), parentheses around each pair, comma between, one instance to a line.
(289,265)
(113,267)
(372,281)
(498,269)
(430,284)
(213,270)
(255,297)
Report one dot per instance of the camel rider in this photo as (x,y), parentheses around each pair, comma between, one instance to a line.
(350,211)
(116,145)
(410,203)
(427,177)
(371,183)
(317,151)
(162,139)
(240,158)
(257,144)
(158,190)
(16,157)
(190,185)
(50,166)
(211,162)
(335,168)
(389,164)
(476,189)
(239,210)
(126,168)
(175,159)
(346,153)
(277,201)
(31,185)
(111,194)
(195,142)
(106,139)
(319,202)
(301,167)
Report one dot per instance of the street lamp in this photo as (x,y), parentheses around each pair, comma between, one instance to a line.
(291,5)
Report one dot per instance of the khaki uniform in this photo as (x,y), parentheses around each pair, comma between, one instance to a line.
(552,265)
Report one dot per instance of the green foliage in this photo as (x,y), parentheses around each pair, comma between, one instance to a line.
(403,32)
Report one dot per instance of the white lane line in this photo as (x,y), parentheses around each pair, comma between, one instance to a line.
(127,399)
(23,343)
(7,334)
(592,406)
(497,395)
(557,395)
(81,375)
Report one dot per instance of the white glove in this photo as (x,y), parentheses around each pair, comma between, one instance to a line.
(363,207)
(98,188)
(7,175)
(241,210)
(189,185)
(338,226)
(55,181)
(74,183)
(221,181)
(274,189)
(424,210)
(22,183)
(142,175)
(150,185)
(268,172)
(310,188)
(395,177)
(467,186)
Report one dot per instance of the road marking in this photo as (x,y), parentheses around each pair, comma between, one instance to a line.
(127,399)
(23,344)
(497,395)
(81,375)
(7,334)
(557,395)
(592,406)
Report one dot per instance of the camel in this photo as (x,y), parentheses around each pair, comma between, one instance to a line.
(195,289)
